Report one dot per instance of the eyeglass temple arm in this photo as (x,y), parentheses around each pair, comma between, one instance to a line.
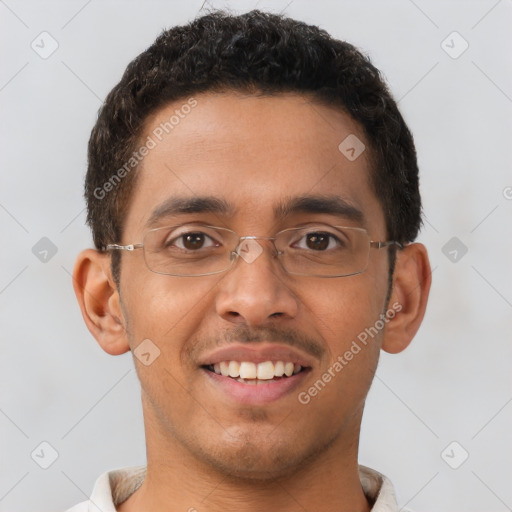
(380,245)
(117,247)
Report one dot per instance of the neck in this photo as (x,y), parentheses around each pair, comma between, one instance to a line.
(177,481)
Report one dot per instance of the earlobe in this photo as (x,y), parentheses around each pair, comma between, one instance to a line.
(411,285)
(99,301)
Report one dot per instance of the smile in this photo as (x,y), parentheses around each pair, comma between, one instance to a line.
(255,374)
(248,372)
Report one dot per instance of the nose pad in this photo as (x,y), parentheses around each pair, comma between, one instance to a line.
(249,250)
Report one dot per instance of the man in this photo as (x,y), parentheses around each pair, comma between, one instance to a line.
(253,195)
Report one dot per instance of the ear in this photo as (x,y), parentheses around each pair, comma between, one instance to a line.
(411,285)
(99,301)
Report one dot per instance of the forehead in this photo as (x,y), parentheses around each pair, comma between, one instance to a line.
(256,155)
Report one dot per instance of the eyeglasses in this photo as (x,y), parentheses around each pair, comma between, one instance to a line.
(315,250)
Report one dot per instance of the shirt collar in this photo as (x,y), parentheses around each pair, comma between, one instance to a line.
(114,487)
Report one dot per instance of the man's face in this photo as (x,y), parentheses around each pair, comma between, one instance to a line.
(255,154)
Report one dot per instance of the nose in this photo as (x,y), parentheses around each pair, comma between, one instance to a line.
(255,290)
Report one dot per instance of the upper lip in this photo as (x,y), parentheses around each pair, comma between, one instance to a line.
(256,354)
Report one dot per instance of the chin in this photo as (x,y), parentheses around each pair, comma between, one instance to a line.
(257,459)
(251,465)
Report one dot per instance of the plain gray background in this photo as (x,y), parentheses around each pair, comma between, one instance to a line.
(451,385)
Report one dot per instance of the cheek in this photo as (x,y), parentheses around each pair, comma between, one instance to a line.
(164,309)
(346,315)
(343,308)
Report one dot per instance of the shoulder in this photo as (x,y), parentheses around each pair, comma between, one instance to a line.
(378,490)
(112,488)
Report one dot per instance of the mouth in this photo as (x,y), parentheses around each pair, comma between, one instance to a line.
(255,374)
(247,372)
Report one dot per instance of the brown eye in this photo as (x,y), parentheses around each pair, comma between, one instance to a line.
(193,241)
(318,241)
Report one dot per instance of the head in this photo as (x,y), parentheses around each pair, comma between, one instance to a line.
(260,54)
(250,112)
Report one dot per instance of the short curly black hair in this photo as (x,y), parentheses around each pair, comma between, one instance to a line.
(259,53)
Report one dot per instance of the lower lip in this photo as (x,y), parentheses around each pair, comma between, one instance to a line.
(255,394)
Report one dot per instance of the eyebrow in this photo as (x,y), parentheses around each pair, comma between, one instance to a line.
(331,205)
(328,204)
(188,205)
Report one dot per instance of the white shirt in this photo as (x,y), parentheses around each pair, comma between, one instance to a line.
(114,487)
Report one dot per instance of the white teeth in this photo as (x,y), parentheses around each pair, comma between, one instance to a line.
(224,368)
(279,369)
(248,381)
(234,369)
(266,370)
(248,370)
